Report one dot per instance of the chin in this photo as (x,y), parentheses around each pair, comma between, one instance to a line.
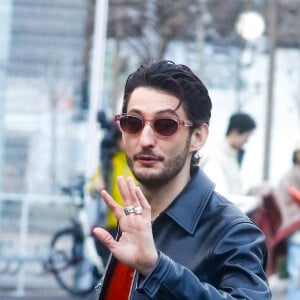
(145,173)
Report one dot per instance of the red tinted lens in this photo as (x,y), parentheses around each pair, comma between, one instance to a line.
(131,124)
(166,127)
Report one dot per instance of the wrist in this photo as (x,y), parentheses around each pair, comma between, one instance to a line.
(146,268)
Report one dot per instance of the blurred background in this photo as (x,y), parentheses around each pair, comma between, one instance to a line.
(63,61)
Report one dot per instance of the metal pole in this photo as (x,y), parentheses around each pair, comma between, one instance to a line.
(53,136)
(200,34)
(5,35)
(24,224)
(96,84)
(239,75)
(272,32)
(150,28)
(117,58)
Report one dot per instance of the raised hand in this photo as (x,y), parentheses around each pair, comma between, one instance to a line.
(135,246)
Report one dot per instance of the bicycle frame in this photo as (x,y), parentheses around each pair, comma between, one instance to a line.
(73,247)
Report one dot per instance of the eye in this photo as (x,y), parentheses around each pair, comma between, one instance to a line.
(166,126)
(131,124)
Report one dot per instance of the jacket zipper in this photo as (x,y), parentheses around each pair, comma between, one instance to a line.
(132,282)
(99,284)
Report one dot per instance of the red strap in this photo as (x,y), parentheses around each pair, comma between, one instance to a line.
(120,283)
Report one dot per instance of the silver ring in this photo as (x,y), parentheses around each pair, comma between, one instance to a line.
(129,210)
(138,210)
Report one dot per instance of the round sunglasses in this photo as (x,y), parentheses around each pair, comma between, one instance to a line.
(134,124)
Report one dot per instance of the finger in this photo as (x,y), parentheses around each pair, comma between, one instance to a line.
(142,199)
(132,190)
(111,203)
(123,188)
(105,237)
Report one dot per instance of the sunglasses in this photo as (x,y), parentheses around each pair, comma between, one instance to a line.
(134,124)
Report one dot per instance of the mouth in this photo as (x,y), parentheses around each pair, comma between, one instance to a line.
(147,159)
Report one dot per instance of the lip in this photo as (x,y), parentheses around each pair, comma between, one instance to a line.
(147,159)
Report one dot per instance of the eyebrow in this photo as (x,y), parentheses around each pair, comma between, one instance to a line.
(164,111)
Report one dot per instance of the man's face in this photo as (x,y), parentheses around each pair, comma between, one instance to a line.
(155,159)
(238,140)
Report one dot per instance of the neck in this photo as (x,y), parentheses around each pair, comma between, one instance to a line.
(162,196)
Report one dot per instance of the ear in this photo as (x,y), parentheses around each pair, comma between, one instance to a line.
(199,137)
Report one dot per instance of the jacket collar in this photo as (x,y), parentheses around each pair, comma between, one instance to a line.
(188,206)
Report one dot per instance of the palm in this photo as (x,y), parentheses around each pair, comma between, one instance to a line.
(135,247)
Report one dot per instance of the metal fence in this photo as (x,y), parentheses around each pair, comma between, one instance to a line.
(27,224)
(44,61)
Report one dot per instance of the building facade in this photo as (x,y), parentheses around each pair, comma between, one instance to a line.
(44,99)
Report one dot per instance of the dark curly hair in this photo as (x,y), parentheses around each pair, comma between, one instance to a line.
(177,80)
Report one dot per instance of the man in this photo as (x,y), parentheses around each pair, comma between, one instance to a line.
(223,163)
(178,239)
(286,196)
(113,164)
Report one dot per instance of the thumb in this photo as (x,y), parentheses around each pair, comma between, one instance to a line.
(105,237)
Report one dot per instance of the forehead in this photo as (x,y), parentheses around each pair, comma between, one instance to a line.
(151,101)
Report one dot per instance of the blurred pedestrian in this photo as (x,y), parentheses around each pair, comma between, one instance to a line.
(223,163)
(113,164)
(177,238)
(290,215)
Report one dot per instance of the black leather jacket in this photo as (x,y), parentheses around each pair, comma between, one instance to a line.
(207,249)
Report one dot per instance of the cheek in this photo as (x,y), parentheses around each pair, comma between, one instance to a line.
(130,145)
(175,147)
(166,147)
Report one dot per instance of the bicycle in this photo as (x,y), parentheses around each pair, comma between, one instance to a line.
(73,256)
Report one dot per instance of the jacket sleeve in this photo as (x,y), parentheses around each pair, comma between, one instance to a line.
(237,262)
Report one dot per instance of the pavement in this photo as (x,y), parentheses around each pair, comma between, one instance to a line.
(50,294)
(38,293)
(32,282)
(45,288)
(278,287)
(45,295)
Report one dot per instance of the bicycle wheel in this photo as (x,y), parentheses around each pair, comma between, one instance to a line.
(71,270)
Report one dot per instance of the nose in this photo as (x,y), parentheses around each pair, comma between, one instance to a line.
(147,136)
